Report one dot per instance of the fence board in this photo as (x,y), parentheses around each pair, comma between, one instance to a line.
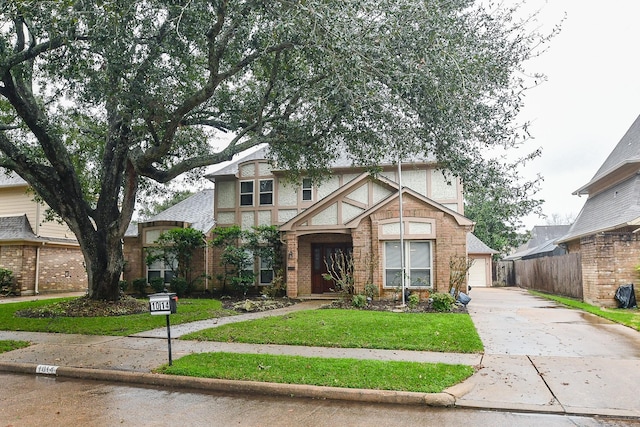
(558,275)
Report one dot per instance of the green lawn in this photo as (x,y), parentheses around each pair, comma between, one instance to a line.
(8,345)
(626,316)
(349,373)
(444,332)
(189,310)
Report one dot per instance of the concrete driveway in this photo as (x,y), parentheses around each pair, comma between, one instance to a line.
(541,356)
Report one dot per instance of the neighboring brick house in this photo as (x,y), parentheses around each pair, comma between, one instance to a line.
(351,211)
(44,256)
(605,233)
(196,212)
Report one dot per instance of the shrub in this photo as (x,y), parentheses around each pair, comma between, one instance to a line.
(157,283)
(124,285)
(414,300)
(140,286)
(359,301)
(6,277)
(442,301)
(180,286)
(370,290)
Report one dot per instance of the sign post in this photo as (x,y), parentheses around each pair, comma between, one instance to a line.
(164,303)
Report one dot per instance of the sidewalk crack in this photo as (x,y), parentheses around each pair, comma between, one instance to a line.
(541,375)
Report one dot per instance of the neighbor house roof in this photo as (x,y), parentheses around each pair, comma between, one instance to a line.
(614,208)
(626,155)
(196,210)
(10,179)
(542,242)
(16,228)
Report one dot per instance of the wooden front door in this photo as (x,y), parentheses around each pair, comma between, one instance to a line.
(322,255)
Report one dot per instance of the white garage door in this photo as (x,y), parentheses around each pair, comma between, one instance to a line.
(478,273)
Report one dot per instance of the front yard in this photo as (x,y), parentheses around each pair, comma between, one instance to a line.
(445,332)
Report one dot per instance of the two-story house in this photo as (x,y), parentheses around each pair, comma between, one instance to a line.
(355,212)
(44,255)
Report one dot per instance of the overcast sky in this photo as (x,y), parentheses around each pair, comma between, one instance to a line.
(591,97)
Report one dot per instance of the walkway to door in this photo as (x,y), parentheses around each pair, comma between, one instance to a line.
(538,353)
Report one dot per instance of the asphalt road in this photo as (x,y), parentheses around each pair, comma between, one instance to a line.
(29,400)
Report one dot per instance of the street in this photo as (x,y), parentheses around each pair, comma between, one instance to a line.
(29,400)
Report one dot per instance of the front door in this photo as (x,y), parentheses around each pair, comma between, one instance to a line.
(323,254)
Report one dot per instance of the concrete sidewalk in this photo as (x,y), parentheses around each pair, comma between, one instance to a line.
(538,357)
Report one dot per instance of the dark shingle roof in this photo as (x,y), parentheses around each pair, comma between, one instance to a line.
(613,208)
(196,210)
(16,228)
(627,150)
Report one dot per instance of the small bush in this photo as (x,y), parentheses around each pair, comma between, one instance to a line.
(6,277)
(180,286)
(140,286)
(414,300)
(157,283)
(124,285)
(442,302)
(359,301)
(370,290)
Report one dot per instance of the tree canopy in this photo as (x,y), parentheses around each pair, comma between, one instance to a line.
(99,97)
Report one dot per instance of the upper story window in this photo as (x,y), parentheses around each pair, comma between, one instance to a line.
(266,192)
(246,193)
(307,190)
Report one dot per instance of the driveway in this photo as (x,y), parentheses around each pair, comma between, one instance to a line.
(541,356)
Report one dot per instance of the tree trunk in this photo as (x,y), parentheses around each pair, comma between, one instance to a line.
(104,260)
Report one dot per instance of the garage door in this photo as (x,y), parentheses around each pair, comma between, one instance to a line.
(478,273)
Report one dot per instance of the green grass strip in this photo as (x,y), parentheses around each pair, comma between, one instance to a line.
(8,345)
(348,373)
(446,332)
(189,310)
(625,316)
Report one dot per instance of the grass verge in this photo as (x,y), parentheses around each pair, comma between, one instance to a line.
(189,310)
(348,373)
(8,345)
(626,316)
(444,332)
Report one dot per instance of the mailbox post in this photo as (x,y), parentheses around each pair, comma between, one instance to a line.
(164,303)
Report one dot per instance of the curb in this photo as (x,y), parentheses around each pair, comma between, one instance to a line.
(443,399)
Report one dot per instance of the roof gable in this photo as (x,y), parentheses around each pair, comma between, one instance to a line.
(622,161)
(349,202)
(611,209)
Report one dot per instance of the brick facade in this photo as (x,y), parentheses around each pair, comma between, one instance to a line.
(45,268)
(450,240)
(135,254)
(609,260)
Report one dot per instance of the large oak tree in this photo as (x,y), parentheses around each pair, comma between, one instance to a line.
(98,97)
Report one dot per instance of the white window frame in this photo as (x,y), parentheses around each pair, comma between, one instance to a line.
(265,192)
(307,189)
(162,268)
(247,193)
(408,265)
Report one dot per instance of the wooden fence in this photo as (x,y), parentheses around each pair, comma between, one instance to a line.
(558,275)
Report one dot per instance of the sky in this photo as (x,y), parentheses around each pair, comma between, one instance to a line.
(590,99)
